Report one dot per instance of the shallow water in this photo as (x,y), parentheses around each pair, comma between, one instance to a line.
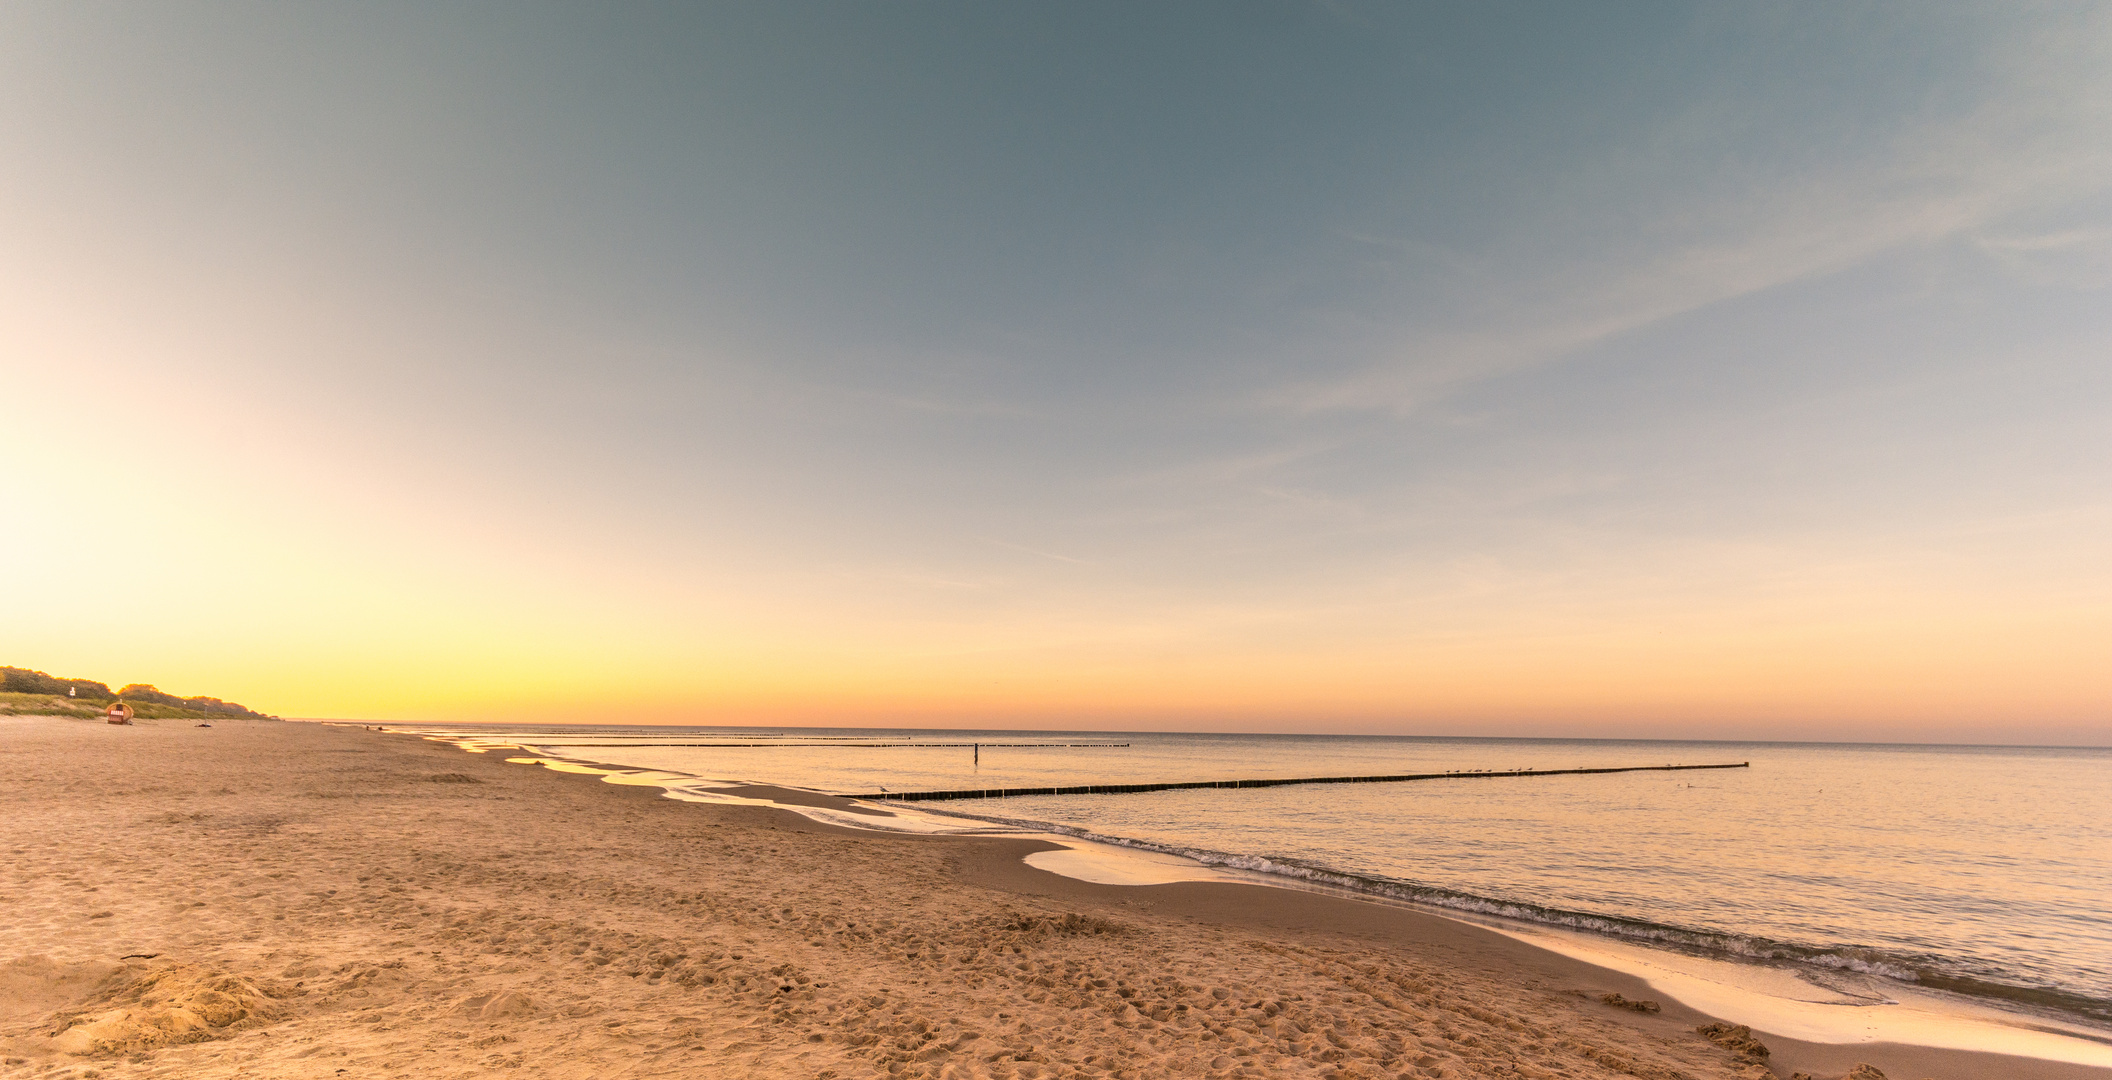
(1977,869)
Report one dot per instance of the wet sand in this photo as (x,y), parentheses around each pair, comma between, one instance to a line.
(293,900)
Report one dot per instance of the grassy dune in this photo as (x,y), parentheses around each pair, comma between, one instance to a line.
(12,704)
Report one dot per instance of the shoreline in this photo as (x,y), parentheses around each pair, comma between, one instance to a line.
(1982,943)
(385,905)
(1771,994)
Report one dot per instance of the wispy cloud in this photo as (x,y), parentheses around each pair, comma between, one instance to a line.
(2075,258)
(2042,139)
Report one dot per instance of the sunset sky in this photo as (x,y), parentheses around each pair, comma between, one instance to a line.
(1723,370)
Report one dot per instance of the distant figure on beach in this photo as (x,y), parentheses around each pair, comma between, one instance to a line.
(120,713)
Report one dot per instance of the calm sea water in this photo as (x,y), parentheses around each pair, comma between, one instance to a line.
(1983,870)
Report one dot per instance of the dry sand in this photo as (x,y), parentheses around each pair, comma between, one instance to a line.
(292,900)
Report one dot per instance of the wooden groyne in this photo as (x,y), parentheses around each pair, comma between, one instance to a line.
(1132,789)
(842,745)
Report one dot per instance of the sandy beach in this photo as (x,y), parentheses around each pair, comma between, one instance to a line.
(297,900)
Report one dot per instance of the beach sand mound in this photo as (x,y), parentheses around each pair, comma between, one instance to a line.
(1619,1002)
(504,1005)
(1068,925)
(1860,1072)
(1738,1039)
(159,1006)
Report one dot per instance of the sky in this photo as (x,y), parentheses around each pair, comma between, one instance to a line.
(1707,370)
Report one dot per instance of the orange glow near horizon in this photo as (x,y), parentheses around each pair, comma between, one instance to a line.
(1860,656)
(269,596)
(257,596)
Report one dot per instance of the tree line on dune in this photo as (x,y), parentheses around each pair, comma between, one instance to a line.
(14,680)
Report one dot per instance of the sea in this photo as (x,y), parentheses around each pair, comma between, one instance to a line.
(1983,872)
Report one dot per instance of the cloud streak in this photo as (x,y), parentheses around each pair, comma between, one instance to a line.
(2041,140)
